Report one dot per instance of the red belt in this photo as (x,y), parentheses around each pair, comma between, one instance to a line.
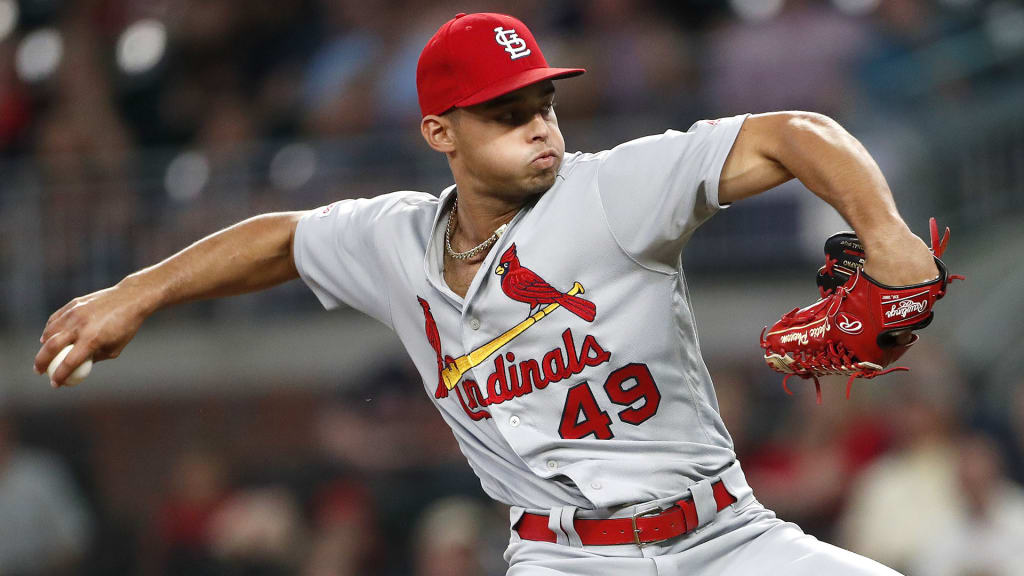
(647,527)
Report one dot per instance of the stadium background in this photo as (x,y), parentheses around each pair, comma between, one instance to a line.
(261,435)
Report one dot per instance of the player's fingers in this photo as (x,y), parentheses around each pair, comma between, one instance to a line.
(50,348)
(57,313)
(108,353)
(78,354)
(56,321)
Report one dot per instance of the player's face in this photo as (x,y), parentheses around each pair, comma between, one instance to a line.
(510,146)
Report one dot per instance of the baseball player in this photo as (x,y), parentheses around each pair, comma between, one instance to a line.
(542,299)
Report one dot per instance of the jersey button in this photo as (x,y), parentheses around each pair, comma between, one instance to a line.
(596,485)
(474,323)
(513,421)
(552,465)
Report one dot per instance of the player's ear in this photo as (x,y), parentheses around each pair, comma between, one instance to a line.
(437,131)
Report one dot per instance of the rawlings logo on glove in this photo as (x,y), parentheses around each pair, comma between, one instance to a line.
(853,329)
(849,324)
(906,307)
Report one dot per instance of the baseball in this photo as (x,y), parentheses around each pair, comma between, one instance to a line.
(79,373)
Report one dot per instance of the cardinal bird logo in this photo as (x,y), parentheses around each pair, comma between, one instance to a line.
(434,338)
(523,285)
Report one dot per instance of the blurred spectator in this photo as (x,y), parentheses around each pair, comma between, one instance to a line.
(258,532)
(800,60)
(804,468)
(893,74)
(901,503)
(345,539)
(15,103)
(449,539)
(45,526)
(337,92)
(1015,415)
(986,537)
(396,102)
(637,61)
(199,488)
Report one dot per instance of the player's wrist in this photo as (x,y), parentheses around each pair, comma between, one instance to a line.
(889,239)
(900,261)
(883,231)
(145,293)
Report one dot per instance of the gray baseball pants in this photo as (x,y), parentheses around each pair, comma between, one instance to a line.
(743,539)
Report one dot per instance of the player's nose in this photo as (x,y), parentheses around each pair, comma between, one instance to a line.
(539,130)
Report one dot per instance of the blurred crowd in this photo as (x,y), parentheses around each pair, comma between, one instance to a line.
(129,128)
(132,127)
(121,74)
(915,471)
(368,481)
(911,471)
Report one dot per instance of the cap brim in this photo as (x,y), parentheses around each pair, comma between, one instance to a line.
(517,81)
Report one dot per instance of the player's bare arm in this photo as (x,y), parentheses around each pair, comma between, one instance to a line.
(773,148)
(249,256)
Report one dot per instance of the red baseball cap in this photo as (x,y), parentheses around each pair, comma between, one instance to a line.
(476,57)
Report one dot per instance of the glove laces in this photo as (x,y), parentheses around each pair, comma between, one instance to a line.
(834,359)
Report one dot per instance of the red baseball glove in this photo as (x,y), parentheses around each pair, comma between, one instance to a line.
(853,330)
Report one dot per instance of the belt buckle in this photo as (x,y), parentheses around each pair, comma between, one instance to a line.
(652,511)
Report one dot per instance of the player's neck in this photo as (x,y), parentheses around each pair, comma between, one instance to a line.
(478,217)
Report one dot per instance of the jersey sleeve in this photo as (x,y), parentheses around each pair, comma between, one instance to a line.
(338,253)
(657,190)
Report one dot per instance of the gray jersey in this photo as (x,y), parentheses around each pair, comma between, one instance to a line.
(571,373)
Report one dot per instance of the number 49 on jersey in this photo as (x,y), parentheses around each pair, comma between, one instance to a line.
(631,386)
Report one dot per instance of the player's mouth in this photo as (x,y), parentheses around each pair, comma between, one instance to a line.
(545,159)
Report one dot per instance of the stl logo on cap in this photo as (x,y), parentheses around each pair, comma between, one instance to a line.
(513,44)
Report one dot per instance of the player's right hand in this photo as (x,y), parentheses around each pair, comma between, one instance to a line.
(100,325)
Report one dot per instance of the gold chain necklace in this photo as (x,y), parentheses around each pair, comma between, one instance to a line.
(474,250)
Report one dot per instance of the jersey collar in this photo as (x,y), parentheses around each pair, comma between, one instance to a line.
(433,259)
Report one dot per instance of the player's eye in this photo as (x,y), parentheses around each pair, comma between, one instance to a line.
(517,116)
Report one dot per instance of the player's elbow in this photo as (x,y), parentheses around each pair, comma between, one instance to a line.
(800,125)
(791,137)
(780,135)
(800,119)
